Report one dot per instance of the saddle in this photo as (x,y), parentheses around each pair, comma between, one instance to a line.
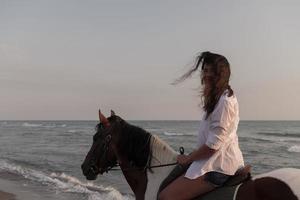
(243,174)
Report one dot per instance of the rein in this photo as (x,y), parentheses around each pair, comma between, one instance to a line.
(147,166)
(142,168)
(181,150)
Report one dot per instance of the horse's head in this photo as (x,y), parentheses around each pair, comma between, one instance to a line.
(102,155)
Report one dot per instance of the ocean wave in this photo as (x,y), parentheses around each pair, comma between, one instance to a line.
(72,131)
(172,133)
(153,129)
(65,183)
(280,134)
(295,148)
(167,133)
(50,125)
(267,139)
(26,124)
(247,139)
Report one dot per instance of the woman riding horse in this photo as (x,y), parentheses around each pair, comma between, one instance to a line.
(218,155)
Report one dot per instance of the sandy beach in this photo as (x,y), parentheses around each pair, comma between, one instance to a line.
(6,196)
(15,187)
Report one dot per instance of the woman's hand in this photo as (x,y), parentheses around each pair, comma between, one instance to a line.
(184,159)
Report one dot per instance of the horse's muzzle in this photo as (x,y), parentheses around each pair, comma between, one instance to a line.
(90,172)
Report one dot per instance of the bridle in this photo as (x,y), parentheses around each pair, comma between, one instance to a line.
(111,166)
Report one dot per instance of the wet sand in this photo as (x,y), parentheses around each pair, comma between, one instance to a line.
(14,187)
(6,196)
(6,190)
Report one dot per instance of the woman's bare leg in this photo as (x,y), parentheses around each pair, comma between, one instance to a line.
(183,188)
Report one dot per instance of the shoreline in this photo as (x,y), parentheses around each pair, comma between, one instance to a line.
(7,189)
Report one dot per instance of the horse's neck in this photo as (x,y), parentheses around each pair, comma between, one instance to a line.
(161,152)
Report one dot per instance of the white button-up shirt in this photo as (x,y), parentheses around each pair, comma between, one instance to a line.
(218,132)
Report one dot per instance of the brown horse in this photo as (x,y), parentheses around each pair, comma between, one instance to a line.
(138,153)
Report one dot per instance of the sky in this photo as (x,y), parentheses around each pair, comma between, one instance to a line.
(63,60)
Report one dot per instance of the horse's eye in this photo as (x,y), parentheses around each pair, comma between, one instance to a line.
(101,126)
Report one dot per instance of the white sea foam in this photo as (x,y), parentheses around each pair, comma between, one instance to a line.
(172,133)
(72,131)
(295,148)
(167,133)
(50,126)
(65,183)
(109,196)
(26,124)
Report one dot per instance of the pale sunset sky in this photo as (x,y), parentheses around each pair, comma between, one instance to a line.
(62,60)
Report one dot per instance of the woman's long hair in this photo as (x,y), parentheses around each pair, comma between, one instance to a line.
(219,83)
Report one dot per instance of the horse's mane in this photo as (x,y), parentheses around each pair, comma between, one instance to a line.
(140,146)
(162,153)
(135,144)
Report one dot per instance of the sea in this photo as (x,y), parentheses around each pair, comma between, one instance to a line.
(40,160)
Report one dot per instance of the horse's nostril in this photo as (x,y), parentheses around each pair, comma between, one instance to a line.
(92,170)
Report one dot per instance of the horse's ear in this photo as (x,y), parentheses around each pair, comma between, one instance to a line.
(112,113)
(103,119)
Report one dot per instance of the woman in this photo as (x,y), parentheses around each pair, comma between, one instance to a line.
(218,155)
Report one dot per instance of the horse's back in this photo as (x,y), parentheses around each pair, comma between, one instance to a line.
(288,176)
(284,181)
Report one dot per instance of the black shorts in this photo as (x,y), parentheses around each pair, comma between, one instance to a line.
(217,179)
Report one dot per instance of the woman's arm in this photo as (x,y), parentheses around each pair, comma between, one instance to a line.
(203,152)
(217,137)
(220,121)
